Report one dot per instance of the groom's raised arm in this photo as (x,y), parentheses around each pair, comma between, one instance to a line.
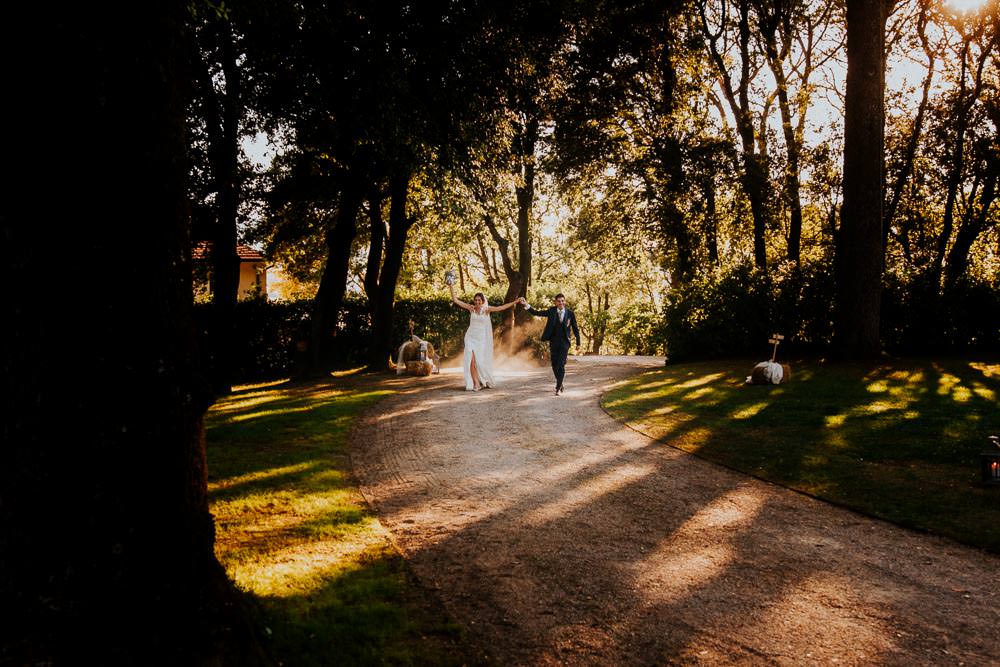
(536,313)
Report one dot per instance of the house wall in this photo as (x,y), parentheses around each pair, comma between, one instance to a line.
(249,272)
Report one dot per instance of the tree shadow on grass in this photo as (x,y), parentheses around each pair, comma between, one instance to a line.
(370,614)
(293,532)
(898,440)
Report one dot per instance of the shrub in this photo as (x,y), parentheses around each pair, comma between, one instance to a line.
(637,330)
(916,320)
(267,332)
(733,312)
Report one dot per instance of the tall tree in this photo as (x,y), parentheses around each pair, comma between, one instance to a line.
(106,542)
(968,95)
(381,274)
(859,242)
(220,103)
(737,95)
(782,24)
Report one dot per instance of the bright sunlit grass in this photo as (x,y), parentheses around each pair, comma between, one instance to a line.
(296,534)
(896,440)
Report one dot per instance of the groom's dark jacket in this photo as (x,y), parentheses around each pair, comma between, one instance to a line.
(556,331)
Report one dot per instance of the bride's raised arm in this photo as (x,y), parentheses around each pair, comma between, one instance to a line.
(458,302)
(495,309)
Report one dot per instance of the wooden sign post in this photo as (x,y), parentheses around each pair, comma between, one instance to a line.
(775,340)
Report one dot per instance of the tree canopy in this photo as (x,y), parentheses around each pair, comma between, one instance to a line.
(669,142)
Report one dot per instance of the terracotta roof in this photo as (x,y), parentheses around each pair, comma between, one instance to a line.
(202,249)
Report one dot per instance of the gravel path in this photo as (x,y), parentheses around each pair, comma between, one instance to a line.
(555,535)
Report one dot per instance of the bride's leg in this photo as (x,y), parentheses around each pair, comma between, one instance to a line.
(475,373)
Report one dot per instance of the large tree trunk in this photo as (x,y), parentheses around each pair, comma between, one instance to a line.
(375,246)
(859,243)
(106,542)
(225,259)
(601,322)
(519,276)
(332,285)
(776,60)
(670,165)
(518,285)
(384,296)
(223,111)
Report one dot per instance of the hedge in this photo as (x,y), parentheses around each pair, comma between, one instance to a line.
(267,332)
(732,313)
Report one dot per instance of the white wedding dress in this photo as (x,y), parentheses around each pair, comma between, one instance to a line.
(479,341)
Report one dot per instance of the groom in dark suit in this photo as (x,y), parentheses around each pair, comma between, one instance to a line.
(560,322)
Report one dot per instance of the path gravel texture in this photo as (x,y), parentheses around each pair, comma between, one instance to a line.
(555,535)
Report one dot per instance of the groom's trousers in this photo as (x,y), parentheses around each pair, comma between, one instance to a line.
(559,351)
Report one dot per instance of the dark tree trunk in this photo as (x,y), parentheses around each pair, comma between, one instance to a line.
(375,247)
(601,323)
(382,304)
(775,18)
(791,169)
(754,175)
(488,267)
(518,285)
(332,285)
(670,164)
(859,243)
(973,224)
(106,542)
(223,111)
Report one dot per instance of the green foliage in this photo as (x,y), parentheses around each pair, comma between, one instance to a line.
(732,312)
(722,315)
(636,330)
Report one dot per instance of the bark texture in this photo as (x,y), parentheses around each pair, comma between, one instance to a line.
(859,242)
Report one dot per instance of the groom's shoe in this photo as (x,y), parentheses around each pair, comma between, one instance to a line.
(559,390)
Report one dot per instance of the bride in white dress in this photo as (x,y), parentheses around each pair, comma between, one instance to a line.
(477,362)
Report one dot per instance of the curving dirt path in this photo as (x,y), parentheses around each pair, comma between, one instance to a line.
(555,535)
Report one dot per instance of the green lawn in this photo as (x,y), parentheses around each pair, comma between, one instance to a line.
(898,440)
(294,532)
